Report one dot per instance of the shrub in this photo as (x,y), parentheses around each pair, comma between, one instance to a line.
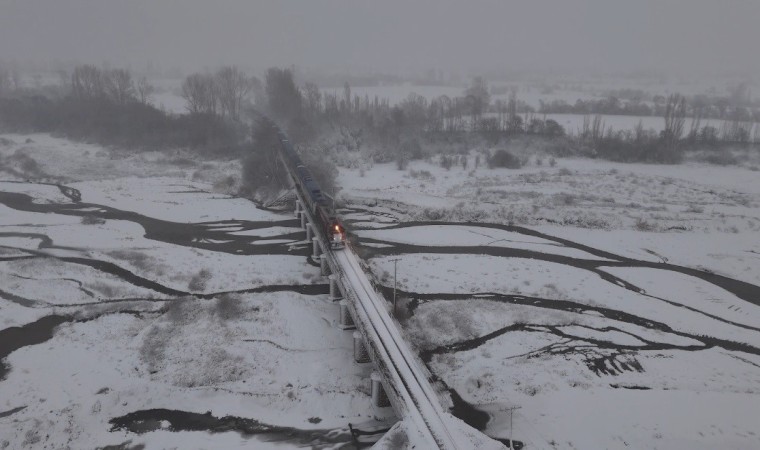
(503,158)
(154,346)
(92,220)
(228,307)
(725,158)
(198,281)
(566,199)
(643,225)
(422,175)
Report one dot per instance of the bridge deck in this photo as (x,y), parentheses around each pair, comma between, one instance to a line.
(405,378)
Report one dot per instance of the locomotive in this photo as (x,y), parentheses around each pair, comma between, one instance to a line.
(315,200)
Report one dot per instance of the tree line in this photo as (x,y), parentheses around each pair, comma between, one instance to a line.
(222,93)
(698,106)
(399,130)
(111,107)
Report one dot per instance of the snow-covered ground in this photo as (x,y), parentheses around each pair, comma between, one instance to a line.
(616,304)
(135,298)
(573,123)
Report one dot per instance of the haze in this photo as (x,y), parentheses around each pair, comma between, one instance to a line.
(395,35)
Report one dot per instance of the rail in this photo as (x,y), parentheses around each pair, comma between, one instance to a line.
(405,378)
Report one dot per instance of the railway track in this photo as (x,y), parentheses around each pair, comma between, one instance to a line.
(405,378)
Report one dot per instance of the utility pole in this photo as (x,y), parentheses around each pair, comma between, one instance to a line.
(395,266)
(511,410)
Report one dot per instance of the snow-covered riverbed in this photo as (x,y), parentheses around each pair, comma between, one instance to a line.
(618,306)
(133,303)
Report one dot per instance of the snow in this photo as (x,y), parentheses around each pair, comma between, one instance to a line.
(169,102)
(276,357)
(662,368)
(591,363)
(454,235)
(573,123)
(170,199)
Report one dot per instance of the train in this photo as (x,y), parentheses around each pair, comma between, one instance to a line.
(316,201)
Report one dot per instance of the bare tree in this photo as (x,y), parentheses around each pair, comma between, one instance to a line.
(200,91)
(284,97)
(233,87)
(675,112)
(513,125)
(144,90)
(15,78)
(87,82)
(347,96)
(119,86)
(478,99)
(63,78)
(313,98)
(5,81)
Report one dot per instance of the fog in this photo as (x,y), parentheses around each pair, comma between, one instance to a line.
(392,35)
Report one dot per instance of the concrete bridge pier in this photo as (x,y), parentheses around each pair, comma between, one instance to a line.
(324,267)
(316,248)
(335,293)
(309,232)
(379,396)
(361,355)
(304,219)
(345,321)
(299,207)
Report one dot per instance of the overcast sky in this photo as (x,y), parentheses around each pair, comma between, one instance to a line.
(389,35)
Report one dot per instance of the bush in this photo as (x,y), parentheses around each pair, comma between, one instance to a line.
(424,175)
(198,281)
(92,220)
(644,225)
(503,158)
(229,307)
(724,158)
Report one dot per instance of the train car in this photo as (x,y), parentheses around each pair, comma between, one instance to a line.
(315,200)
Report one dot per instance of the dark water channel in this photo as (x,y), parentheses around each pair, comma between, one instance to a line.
(144,421)
(219,236)
(14,338)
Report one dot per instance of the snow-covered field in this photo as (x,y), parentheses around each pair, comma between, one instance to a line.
(141,306)
(573,123)
(618,305)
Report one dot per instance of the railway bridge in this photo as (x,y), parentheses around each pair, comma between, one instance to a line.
(400,379)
